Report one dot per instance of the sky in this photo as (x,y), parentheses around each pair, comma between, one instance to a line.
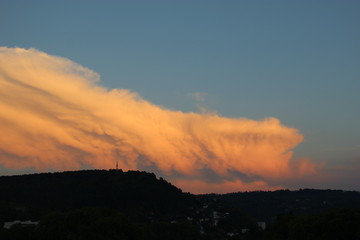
(214,96)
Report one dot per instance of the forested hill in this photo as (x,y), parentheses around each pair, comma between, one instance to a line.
(267,205)
(90,188)
(110,204)
(144,191)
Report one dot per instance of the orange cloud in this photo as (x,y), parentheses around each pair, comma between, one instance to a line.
(54,115)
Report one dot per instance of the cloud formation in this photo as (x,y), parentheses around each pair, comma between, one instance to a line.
(54,115)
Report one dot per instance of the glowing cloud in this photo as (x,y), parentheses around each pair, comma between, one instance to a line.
(53,115)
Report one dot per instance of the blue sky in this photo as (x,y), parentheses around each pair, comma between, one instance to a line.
(298,61)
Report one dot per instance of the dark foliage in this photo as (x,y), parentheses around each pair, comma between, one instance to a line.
(331,224)
(99,204)
(129,191)
(267,205)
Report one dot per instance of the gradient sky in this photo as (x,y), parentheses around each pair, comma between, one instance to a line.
(296,61)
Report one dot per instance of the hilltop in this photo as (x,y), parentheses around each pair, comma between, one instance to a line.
(131,190)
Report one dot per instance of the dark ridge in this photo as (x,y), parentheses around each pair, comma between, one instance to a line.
(91,188)
(112,204)
(266,205)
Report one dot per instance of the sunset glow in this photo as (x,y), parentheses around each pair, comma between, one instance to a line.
(55,115)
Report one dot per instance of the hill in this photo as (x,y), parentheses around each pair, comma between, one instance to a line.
(267,205)
(127,191)
(101,204)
